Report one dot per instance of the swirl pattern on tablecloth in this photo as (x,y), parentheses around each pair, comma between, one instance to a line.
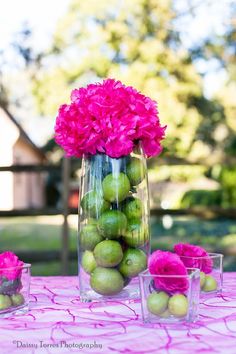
(59,323)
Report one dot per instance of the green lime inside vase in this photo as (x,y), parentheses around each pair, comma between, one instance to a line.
(93,204)
(108,253)
(89,237)
(136,234)
(133,208)
(106,281)
(88,261)
(135,171)
(115,187)
(133,262)
(112,224)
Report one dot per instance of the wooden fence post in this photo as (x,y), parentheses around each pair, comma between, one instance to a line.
(65,227)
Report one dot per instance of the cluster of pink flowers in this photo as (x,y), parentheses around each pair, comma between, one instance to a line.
(165,264)
(10,266)
(109,118)
(194,257)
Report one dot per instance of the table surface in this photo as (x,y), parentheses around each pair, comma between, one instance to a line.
(58,323)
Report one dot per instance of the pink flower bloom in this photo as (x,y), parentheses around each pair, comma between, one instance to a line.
(10,266)
(194,256)
(167,263)
(108,117)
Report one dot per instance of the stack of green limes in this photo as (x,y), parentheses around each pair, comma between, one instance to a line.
(113,238)
(164,305)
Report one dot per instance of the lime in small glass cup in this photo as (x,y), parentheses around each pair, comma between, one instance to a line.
(163,303)
(211,272)
(14,289)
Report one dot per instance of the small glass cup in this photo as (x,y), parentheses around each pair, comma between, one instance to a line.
(163,301)
(14,289)
(211,272)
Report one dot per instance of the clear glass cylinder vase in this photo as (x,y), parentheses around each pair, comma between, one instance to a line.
(114,236)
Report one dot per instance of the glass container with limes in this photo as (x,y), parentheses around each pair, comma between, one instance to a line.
(114,238)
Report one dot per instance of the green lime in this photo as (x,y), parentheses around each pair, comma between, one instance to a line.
(202,279)
(88,262)
(134,261)
(210,284)
(157,303)
(106,281)
(115,187)
(93,204)
(178,305)
(5,302)
(108,253)
(89,237)
(112,224)
(17,299)
(135,171)
(133,208)
(136,234)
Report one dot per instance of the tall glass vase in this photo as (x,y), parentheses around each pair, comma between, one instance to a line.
(114,237)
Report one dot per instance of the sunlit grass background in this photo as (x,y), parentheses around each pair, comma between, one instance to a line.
(44,234)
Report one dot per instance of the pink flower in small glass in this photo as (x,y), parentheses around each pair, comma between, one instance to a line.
(194,257)
(10,266)
(166,263)
(109,118)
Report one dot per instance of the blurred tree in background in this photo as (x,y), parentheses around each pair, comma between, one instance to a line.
(137,42)
(140,43)
(223,50)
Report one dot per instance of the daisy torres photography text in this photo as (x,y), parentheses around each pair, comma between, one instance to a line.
(62,344)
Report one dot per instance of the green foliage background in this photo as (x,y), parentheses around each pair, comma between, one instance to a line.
(140,43)
(136,41)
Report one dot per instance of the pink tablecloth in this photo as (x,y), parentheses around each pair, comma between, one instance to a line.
(59,323)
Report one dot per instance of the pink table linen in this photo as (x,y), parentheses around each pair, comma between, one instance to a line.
(59,323)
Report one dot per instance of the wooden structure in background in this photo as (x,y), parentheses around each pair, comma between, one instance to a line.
(65,255)
(65,176)
(27,189)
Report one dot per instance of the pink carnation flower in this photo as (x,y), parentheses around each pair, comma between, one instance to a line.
(110,118)
(10,266)
(167,263)
(194,256)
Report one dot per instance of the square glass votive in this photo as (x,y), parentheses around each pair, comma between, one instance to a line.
(14,289)
(211,272)
(162,303)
